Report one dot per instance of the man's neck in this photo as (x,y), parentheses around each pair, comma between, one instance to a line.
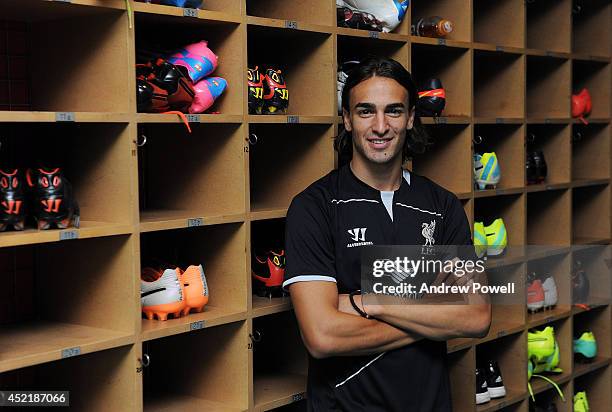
(383,177)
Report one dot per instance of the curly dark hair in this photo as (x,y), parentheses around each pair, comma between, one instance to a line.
(417,139)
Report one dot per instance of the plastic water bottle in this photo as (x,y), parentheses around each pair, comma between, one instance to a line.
(434,26)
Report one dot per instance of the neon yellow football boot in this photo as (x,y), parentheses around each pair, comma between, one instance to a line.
(541,344)
(497,237)
(581,404)
(480,239)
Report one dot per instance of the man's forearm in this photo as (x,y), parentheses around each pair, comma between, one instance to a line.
(350,335)
(437,322)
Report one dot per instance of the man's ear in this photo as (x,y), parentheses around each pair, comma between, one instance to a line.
(346,118)
(411,119)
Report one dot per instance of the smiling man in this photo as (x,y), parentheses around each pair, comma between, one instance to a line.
(365,357)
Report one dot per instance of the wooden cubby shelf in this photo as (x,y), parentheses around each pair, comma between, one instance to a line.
(115,368)
(548,87)
(506,142)
(312,93)
(306,156)
(212,364)
(451,146)
(541,16)
(596,384)
(452,66)
(499,23)
(591,213)
(278,383)
(267,306)
(57,117)
(595,77)
(220,251)
(225,39)
(201,118)
(153,194)
(548,218)
(42,316)
(45,32)
(590,27)
(208,13)
(546,395)
(318,13)
(494,72)
(187,185)
(509,353)
(33,343)
(453,10)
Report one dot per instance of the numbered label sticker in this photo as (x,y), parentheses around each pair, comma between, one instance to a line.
(374,35)
(190,12)
(196,325)
(291,24)
(442,42)
(64,117)
(193,118)
(293,119)
(70,352)
(195,222)
(499,120)
(68,235)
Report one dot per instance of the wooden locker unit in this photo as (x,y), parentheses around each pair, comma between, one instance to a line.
(150,190)
(509,353)
(506,141)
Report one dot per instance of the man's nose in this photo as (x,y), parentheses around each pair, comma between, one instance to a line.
(381,126)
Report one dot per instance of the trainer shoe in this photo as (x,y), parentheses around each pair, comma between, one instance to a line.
(268,272)
(585,347)
(486,170)
(535,293)
(581,404)
(54,201)
(482,391)
(195,287)
(550,292)
(580,285)
(480,239)
(541,344)
(161,294)
(12,200)
(550,363)
(495,383)
(497,238)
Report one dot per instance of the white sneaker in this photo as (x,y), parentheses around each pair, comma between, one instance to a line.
(161,294)
(550,292)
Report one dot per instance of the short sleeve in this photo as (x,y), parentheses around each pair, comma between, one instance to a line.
(309,243)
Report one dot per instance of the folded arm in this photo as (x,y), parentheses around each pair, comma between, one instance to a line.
(436,321)
(327,331)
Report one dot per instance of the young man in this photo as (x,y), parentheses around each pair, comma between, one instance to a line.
(394,361)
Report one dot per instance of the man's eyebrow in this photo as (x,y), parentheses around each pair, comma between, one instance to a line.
(365,105)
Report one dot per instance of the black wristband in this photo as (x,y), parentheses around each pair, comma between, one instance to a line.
(357,308)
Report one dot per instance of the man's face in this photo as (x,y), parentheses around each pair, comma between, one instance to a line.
(378,119)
